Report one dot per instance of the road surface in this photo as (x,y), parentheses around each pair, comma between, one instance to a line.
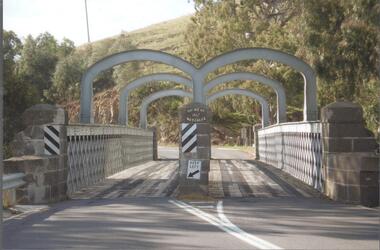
(255,207)
(217,152)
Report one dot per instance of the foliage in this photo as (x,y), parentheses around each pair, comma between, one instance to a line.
(338,38)
(66,79)
(18,95)
(221,26)
(341,39)
(38,59)
(29,67)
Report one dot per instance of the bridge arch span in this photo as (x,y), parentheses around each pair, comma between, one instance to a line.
(123,101)
(119,58)
(276,85)
(310,82)
(235,91)
(157,95)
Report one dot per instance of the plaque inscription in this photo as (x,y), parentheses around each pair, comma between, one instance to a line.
(196,114)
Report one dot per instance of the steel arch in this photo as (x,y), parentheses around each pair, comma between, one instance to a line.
(263,102)
(119,58)
(123,101)
(160,94)
(310,82)
(276,85)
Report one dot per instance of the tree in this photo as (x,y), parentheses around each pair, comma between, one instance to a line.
(225,25)
(341,40)
(18,95)
(66,79)
(38,60)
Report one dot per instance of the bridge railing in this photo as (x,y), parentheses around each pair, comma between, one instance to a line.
(11,181)
(97,151)
(58,158)
(296,148)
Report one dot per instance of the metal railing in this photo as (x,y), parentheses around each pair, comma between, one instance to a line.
(296,148)
(13,181)
(97,151)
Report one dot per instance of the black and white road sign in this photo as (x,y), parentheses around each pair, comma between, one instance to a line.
(51,140)
(194,168)
(189,137)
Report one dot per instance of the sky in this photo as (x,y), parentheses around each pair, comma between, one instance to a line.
(67,18)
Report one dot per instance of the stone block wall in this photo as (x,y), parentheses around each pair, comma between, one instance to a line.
(350,165)
(45,174)
(45,180)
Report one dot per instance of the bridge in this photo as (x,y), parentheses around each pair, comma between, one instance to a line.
(311,184)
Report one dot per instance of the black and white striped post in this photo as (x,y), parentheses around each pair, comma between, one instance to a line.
(189,137)
(51,140)
(194,149)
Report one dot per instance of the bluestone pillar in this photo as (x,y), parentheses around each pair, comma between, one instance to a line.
(195,149)
(350,164)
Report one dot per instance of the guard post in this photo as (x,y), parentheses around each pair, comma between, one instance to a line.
(195,149)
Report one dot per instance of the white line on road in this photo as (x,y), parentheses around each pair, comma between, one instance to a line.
(226,225)
(258,242)
(206,207)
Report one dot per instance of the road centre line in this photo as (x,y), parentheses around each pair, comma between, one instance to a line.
(226,225)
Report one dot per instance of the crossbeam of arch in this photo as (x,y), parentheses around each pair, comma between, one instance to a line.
(119,58)
(235,91)
(310,83)
(276,85)
(157,95)
(123,101)
(198,76)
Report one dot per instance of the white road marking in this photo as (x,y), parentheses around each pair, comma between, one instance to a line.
(226,225)
(256,241)
(206,207)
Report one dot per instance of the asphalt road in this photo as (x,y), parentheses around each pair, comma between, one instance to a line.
(134,210)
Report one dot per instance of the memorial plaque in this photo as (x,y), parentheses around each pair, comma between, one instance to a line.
(195,113)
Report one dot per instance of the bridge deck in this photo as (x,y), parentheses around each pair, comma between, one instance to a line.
(276,209)
(228,178)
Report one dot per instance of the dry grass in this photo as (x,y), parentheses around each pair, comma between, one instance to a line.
(166,36)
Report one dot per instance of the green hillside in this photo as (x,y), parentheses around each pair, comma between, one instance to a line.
(167,36)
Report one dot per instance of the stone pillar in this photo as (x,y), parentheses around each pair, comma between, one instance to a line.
(195,150)
(350,165)
(45,167)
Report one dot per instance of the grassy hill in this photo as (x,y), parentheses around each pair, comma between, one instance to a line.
(166,36)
